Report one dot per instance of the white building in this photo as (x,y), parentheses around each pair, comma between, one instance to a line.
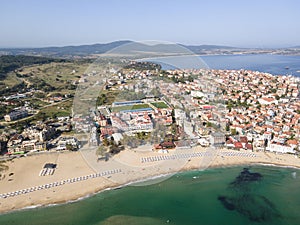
(273,147)
(64,141)
(203,142)
(180,116)
(197,94)
(217,139)
(117,137)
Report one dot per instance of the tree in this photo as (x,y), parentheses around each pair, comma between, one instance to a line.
(114,149)
(101,150)
(41,116)
(70,147)
(131,141)
(233,132)
(190,79)
(292,137)
(102,99)
(39,95)
(209,124)
(112,141)
(227,127)
(155,92)
(105,142)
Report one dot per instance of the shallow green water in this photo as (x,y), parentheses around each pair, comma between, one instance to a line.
(185,199)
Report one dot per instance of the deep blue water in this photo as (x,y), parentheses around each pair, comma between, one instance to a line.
(274,64)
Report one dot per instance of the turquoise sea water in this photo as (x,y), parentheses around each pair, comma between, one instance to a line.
(189,198)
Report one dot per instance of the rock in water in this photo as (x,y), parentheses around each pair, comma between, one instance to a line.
(246,176)
(227,203)
(255,207)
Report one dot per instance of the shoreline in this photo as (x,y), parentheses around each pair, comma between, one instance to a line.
(140,181)
(107,185)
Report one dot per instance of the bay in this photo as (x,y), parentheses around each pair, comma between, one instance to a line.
(267,63)
(274,64)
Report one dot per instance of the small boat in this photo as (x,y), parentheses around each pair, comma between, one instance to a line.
(294,175)
(287,67)
(298,71)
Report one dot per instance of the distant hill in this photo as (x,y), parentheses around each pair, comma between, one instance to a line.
(80,50)
(208,47)
(200,49)
(83,50)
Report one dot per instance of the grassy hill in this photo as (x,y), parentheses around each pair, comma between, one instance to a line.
(10,63)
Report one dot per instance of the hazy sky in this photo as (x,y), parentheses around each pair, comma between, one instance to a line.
(253,23)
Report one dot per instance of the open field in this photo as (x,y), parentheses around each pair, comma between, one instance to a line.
(58,109)
(10,80)
(160,105)
(56,74)
(130,107)
(59,75)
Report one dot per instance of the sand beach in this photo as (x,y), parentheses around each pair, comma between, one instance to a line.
(79,174)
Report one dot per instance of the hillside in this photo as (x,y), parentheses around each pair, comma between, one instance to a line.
(84,50)
(10,63)
(88,50)
(80,50)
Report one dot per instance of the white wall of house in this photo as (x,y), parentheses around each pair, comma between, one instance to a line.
(280,148)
